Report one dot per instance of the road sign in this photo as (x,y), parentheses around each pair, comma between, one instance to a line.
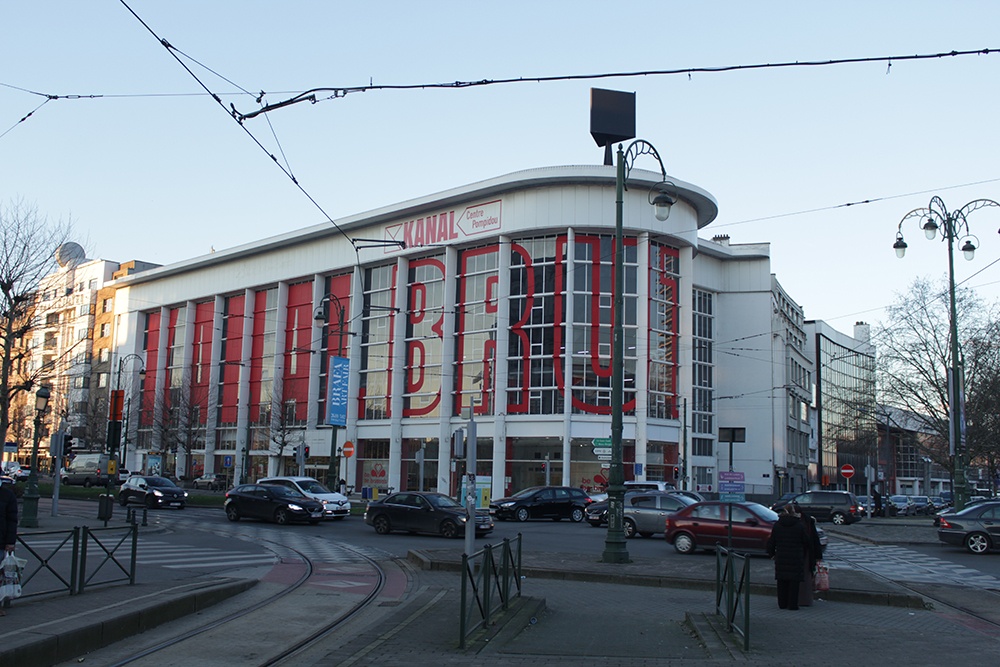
(847,470)
(732,487)
(732,497)
(602,442)
(348,449)
(602,451)
(730,476)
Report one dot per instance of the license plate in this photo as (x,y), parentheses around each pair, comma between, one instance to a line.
(317,514)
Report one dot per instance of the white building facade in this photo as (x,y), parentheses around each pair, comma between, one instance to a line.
(495,297)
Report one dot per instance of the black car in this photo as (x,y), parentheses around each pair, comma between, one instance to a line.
(151,492)
(645,511)
(543,502)
(840,507)
(423,512)
(977,527)
(271,503)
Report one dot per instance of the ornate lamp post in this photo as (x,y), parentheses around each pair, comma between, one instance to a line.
(116,407)
(30,516)
(954,226)
(661,199)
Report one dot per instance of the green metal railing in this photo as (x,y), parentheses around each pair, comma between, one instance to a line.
(484,577)
(57,560)
(735,592)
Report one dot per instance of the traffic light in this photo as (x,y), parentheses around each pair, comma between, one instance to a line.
(305,451)
(677,472)
(68,445)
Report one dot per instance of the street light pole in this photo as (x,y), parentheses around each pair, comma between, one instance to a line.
(333,468)
(956,226)
(615,550)
(30,515)
(116,407)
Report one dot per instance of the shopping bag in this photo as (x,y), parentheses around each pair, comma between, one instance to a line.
(10,576)
(822,577)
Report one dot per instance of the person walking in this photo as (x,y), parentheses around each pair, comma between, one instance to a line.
(787,546)
(877,497)
(8,524)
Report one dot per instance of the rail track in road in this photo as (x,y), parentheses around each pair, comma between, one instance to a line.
(274,629)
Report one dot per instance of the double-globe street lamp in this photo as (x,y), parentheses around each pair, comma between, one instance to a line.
(29,518)
(661,197)
(954,226)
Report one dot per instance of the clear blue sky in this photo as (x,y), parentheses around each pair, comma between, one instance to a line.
(162,178)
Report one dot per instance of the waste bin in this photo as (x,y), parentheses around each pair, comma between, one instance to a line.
(105,507)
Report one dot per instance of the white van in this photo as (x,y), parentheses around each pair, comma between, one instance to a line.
(88,470)
(335,505)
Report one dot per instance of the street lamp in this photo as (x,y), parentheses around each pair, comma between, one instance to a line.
(116,407)
(661,198)
(30,518)
(326,315)
(955,226)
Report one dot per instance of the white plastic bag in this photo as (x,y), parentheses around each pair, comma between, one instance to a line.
(10,576)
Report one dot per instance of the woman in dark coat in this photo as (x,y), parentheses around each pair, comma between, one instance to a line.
(788,545)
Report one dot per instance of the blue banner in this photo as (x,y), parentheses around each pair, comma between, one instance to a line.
(336,391)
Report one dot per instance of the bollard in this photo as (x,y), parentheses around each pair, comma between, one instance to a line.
(144,517)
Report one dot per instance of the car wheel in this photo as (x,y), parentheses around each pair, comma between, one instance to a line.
(576,515)
(86,483)
(684,543)
(838,518)
(522,514)
(232,513)
(449,529)
(977,543)
(629,527)
(381,524)
(281,516)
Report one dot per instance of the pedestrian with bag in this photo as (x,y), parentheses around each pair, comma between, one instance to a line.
(787,546)
(8,527)
(814,554)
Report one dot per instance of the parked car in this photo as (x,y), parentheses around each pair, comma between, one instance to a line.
(693,495)
(977,528)
(644,514)
(542,502)
(215,481)
(88,470)
(840,507)
(899,505)
(704,525)
(123,475)
(270,502)
(335,505)
(151,491)
(921,505)
(633,485)
(423,512)
(938,503)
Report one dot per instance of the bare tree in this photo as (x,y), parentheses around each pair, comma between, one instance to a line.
(28,243)
(179,421)
(285,432)
(914,355)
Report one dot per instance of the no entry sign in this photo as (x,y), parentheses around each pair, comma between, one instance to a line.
(847,470)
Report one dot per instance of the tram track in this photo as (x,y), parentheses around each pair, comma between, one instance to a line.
(272,642)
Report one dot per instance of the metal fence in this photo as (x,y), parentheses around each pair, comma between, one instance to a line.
(492,584)
(734,591)
(68,561)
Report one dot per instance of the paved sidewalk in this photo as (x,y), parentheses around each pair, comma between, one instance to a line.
(574,610)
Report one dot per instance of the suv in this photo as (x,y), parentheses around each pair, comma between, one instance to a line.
(840,507)
(335,505)
(542,502)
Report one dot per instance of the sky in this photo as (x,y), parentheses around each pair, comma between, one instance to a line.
(154,169)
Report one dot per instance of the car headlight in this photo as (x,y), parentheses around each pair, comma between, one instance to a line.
(462,519)
(185,494)
(510,504)
(157,492)
(294,507)
(325,502)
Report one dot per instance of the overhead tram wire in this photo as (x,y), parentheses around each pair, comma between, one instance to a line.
(232,113)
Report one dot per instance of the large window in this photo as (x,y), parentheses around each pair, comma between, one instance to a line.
(702,369)
(424,337)
(477,309)
(377,341)
(664,274)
